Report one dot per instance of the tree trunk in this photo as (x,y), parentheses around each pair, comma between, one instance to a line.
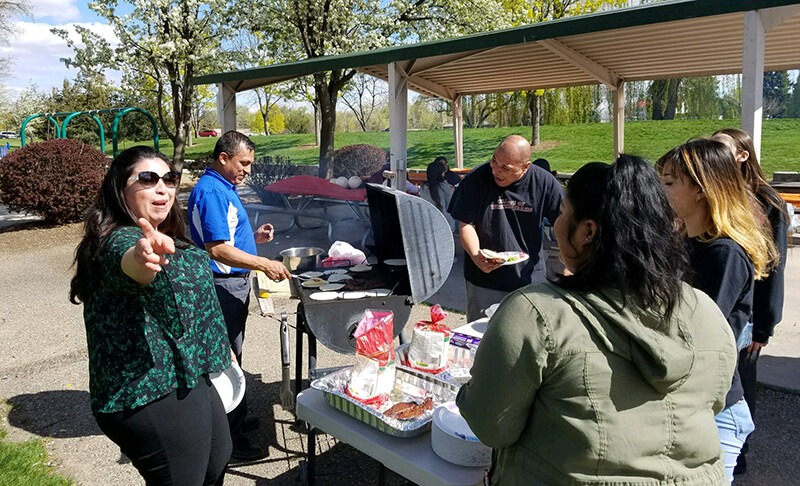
(265,117)
(657,92)
(672,99)
(327,110)
(317,121)
(535,104)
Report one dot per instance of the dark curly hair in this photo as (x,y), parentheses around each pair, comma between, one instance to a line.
(109,212)
(638,249)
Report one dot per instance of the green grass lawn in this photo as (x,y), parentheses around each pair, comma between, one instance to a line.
(24,464)
(567,147)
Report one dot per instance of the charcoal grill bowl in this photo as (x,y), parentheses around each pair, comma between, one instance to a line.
(333,322)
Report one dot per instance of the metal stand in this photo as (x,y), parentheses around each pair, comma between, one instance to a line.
(301,329)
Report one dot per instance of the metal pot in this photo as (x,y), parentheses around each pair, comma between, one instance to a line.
(302,258)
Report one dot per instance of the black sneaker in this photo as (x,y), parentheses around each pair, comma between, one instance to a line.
(251,422)
(245,451)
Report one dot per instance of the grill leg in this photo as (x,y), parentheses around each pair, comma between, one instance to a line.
(381,474)
(312,354)
(312,455)
(298,355)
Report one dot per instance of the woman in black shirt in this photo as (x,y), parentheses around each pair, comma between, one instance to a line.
(728,249)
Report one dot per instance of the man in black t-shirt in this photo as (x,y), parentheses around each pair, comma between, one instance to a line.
(500,206)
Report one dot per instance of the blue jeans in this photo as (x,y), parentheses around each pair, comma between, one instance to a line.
(734,425)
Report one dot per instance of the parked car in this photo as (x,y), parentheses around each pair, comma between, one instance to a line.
(8,134)
(208,132)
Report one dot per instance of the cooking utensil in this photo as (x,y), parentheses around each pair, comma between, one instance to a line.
(302,258)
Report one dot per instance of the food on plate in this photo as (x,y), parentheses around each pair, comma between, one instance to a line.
(409,410)
(504,257)
(492,256)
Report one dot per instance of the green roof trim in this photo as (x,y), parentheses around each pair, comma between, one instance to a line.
(584,24)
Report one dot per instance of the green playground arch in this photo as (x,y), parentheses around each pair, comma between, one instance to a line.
(61,128)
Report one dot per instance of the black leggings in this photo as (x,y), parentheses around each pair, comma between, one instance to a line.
(181,439)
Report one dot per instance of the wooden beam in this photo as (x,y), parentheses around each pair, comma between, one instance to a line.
(753,76)
(398,124)
(775,16)
(582,62)
(458,131)
(619,118)
(226,107)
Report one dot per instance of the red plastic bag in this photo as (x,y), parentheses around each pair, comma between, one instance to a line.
(373,373)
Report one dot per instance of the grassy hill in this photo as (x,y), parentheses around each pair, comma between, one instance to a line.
(567,147)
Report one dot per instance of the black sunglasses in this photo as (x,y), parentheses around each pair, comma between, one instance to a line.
(148,178)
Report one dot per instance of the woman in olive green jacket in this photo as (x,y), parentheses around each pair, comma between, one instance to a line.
(611,375)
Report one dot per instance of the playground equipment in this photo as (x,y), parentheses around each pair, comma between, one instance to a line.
(61,129)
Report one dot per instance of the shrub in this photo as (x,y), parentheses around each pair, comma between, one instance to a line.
(266,170)
(358,160)
(56,179)
(198,165)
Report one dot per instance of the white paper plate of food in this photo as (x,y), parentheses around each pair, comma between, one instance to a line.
(324,296)
(331,286)
(314,283)
(230,386)
(361,268)
(505,257)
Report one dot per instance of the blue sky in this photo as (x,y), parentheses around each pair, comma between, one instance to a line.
(35,52)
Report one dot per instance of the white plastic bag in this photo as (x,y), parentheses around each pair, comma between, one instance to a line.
(342,250)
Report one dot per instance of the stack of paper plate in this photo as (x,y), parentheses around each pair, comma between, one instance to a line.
(453,441)
(230,386)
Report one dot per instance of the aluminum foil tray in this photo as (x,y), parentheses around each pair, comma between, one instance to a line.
(408,384)
(459,361)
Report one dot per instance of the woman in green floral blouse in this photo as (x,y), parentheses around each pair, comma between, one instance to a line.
(153,328)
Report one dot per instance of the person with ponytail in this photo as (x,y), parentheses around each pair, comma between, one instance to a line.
(153,328)
(437,191)
(768,292)
(729,248)
(613,373)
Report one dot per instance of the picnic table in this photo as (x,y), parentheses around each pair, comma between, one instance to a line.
(311,202)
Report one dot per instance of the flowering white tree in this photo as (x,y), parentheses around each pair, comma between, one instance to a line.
(307,29)
(165,42)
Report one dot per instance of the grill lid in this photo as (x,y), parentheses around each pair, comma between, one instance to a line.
(407,226)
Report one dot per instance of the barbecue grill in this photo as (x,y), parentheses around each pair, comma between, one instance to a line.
(403,226)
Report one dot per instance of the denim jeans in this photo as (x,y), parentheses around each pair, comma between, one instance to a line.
(734,424)
(746,337)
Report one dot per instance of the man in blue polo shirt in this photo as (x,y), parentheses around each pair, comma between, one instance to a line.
(218,223)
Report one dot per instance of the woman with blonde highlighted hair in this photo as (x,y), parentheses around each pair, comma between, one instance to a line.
(729,247)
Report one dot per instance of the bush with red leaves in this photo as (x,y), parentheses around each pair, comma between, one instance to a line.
(56,179)
(358,160)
